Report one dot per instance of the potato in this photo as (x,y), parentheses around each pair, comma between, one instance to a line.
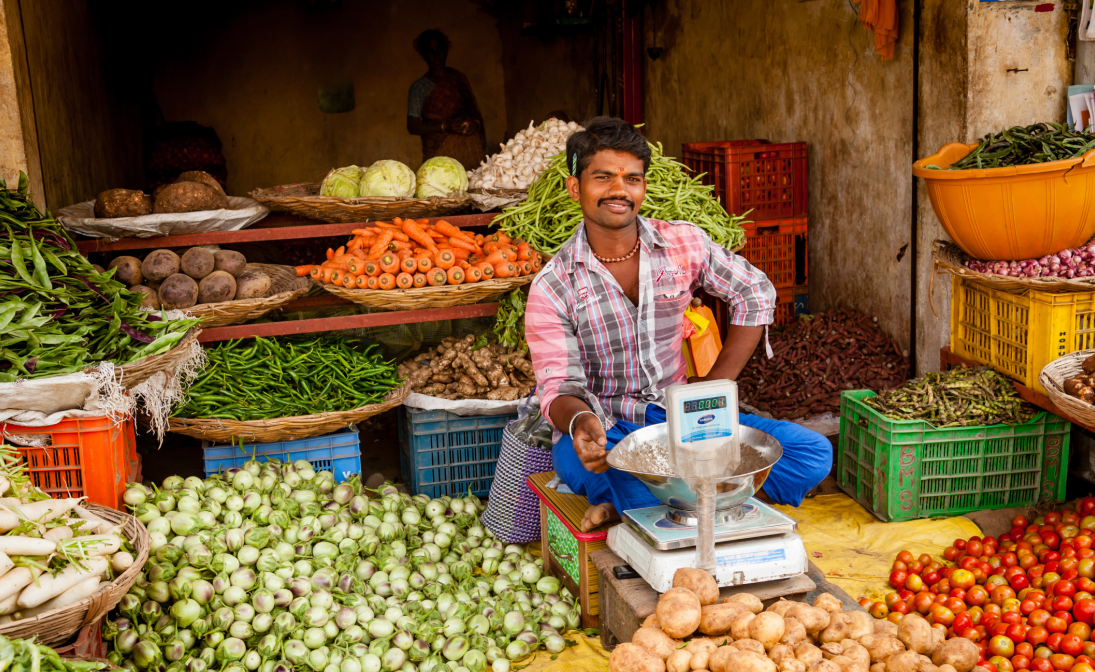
(838,629)
(915,633)
(939,638)
(655,641)
(634,658)
(188,197)
(882,648)
(792,665)
(808,653)
(960,653)
(812,618)
(926,664)
(159,265)
(129,270)
(945,668)
(906,661)
(680,661)
(178,291)
(878,667)
(858,653)
(718,660)
(846,664)
(824,666)
(767,628)
(885,628)
(202,177)
(749,644)
(832,649)
(794,631)
(739,627)
(230,261)
(122,203)
(151,298)
(652,621)
(781,651)
(829,603)
(679,612)
(980,669)
(715,619)
(750,600)
(744,661)
(780,606)
(699,582)
(860,624)
(701,649)
(197,262)
(216,287)
(252,285)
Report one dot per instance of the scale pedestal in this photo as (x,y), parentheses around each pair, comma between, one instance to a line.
(752,544)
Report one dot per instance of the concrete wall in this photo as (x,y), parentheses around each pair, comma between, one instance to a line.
(787,70)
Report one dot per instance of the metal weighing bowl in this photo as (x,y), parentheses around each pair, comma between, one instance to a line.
(732,490)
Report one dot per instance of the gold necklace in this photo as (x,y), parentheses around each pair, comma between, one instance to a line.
(618,259)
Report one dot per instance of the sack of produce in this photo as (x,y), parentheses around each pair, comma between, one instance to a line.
(513,510)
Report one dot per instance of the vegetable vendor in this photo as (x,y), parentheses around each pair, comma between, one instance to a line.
(603,324)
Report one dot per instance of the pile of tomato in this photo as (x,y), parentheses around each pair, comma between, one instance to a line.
(1027,599)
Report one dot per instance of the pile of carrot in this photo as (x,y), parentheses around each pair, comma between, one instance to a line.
(410,253)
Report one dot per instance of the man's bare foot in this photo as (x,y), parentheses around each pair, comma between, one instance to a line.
(597,515)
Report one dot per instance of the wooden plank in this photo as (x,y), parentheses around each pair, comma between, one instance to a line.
(570,508)
(13,15)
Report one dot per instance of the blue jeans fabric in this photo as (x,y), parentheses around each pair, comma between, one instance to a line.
(807,459)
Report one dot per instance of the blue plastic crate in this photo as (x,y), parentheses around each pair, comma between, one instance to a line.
(801,304)
(338,453)
(446,454)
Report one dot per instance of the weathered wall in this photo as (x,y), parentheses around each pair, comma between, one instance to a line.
(13,157)
(787,70)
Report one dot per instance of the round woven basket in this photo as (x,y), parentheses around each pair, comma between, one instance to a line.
(284,287)
(132,375)
(284,429)
(57,626)
(1053,377)
(304,200)
(950,258)
(429,297)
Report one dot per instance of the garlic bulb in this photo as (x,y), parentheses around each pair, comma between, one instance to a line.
(521,160)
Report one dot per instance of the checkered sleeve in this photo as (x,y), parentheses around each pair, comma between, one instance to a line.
(747,291)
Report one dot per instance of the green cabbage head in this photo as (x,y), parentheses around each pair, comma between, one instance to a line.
(441,176)
(387,178)
(341,182)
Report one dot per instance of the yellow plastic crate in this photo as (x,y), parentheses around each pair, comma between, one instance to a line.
(1018,333)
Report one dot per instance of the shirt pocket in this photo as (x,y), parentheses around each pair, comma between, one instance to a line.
(669,307)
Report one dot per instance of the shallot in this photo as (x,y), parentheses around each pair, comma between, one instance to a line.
(1070,263)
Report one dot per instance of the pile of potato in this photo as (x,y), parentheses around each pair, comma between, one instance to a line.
(193,191)
(200,275)
(692,632)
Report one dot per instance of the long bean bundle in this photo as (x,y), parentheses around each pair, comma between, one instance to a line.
(57,313)
(958,398)
(548,217)
(277,378)
(1025,145)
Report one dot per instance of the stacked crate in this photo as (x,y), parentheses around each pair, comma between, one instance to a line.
(767,181)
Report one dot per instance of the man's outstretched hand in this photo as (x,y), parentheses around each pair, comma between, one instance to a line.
(589,443)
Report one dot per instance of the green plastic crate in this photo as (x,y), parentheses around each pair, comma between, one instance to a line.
(906,469)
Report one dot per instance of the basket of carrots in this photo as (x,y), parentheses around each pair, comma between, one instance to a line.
(412,264)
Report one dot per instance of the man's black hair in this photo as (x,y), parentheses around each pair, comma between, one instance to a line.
(422,42)
(603,133)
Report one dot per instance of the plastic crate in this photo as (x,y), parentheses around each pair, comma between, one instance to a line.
(338,453)
(906,469)
(83,457)
(442,453)
(790,303)
(1019,333)
(753,175)
(779,249)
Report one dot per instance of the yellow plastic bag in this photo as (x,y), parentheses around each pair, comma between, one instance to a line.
(702,344)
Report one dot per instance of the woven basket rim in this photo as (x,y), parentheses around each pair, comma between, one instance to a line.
(950,258)
(226,313)
(273,195)
(443,296)
(1052,377)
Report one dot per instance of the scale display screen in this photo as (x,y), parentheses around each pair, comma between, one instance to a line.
(708,404)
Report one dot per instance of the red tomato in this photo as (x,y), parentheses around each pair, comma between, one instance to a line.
(923,602)
(974,548)
(1020,521)
(1020,662)
(1082,630)
(950,553)
(1056,624)
(1024,649)
(899,608)
(1062,662)
(914,583)
(960,544)
(1064,588)
(1000,645)
(1037,635)
(898,578)
(1016,633)
(931,577)
(1040,665)
(1038,617)
(1072,645)
(1061,604)
(941,614)
(1052,518)
(879,610)
(968,562)
(916,567)
(963,578)
(1019,581)
(1085,506)
(905,557)
(1089,649)
(954,604)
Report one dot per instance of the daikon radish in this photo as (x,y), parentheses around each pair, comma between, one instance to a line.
(16,580)
(59,533)
(40,512)
(90,517)
(8,501)
(93,544)
(5,484)
(121,561)
(85,588)
(5,563)
(51,585)
(9,605)
(26,545)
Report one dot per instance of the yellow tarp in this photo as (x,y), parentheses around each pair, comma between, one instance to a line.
(855,550)
(586,656)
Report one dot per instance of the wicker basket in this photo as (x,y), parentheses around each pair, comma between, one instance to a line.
(1053,377)
(132,375)
(285,286)
(304,200)
(57,626)
(950,258)
(429,297)
(284,429)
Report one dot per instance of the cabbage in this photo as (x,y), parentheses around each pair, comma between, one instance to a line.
(387,178)
(341,182)
(441,176)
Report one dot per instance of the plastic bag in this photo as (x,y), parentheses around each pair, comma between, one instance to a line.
(702,343)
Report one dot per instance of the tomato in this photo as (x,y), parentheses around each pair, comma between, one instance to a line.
(1020,662)
(962,621)
(923,602)
(1082,630)
(1081,667)
(1083,585)
(892,599)
(1000,629)
(994,581)
(879,610)
(1037,635)
(1082,540)
(1016,633)
(898,578)
(1019,581)
(1038,617)
(954,604)
(943,615)
(1020,521)
(967,562)
(1002,664)
(899,566)
(1028,560)
(931,577)
(1064,616)
(1062,662)
(1086,568)
(1064,588)
(1084,611)
(1070,517)
(905,594)
(1061,604)
(957,592)
(1009,559)
(950,553)
(973,548)
(976,596)
(914,583)
(1086,506)
(1052,518)
(1024,649)
(1056,624)
(944,587)
(905,557)
(972,634)
(899,608)
(991,667)
(1072,645)
(1040,665)
(1001,593)
(963,578)
(1000,645)
(916,567)
(1051,539)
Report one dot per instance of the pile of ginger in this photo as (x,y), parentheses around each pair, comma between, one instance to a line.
(692,631)
(456,369)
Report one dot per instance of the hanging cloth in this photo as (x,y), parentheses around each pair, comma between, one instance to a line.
(880,17)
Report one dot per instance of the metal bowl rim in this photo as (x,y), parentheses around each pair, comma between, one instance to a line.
(768,437)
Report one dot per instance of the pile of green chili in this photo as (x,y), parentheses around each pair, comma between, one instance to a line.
(58,314)
(548,217)
(1025,145)
(509,321)
(961,397)
(268,378)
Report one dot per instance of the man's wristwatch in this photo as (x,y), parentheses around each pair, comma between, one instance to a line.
(576,416)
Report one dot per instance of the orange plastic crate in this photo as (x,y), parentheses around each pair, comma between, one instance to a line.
(779,249)
(790,303)
(86,457)
(753,175)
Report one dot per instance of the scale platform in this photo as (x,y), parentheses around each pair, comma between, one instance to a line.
(761,545)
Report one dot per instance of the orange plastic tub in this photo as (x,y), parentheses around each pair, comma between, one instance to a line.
(1018,212)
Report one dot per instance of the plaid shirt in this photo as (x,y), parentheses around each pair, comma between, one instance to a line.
(589,341)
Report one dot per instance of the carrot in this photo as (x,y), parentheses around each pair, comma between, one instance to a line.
(425,263)
(372,282)
(437,235)
(526,268)
(404,281)
(436,277)
(330,253)
(473,274)
(386,225)
(463,264)
(504,269)
(460,253)
(444,259)
(397,245)
(363,232)
(412,229)
(305,270)
(349,280)
(385,281)
(403,254)
(456,275)
(536,263)
(501,237)
(361,254)
(355,266)
(523,252)
(419,280)
(449,230)
(372,268)
(496,257)
(463,244)
(336,277)
(486,269)
(354,244)
(408,265)
(326,275)
(380,245)
(479,239)
(362,281)
(316,272)
(389,263)
(340,251)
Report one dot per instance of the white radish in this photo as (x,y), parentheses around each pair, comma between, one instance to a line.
(15,545)
(121,561)
(85,588)
(94,544)
(42,511)
(16,580)
(5,485)
(51,585)
(7,501)
(9,606)
(59,533)
(91,518)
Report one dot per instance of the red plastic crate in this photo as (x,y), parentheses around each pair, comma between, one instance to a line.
(86,457)
(753,175)
(779,249)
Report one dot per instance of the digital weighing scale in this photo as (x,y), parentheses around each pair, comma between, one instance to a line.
(753,542)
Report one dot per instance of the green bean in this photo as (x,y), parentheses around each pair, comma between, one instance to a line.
(1021,145)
